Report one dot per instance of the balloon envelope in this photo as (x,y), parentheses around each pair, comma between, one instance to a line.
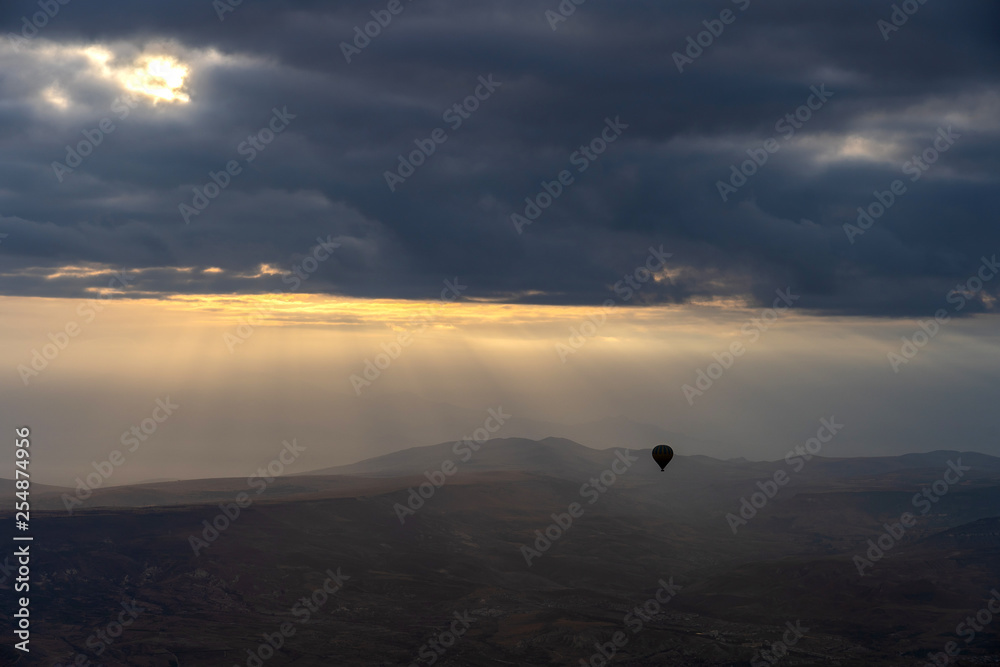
(662,455)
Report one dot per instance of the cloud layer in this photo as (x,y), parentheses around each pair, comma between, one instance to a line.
(185,94)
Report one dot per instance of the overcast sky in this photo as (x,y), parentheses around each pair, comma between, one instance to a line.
(647,129)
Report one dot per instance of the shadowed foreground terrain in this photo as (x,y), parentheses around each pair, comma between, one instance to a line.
(456,564)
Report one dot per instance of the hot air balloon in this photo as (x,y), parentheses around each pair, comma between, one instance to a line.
(662,455)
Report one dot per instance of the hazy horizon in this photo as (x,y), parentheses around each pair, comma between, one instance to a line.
(801,369)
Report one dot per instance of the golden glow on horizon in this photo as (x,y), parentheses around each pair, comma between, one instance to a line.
(397,314)
(489,317)
(383,317)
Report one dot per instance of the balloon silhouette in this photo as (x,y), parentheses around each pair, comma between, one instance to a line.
(662,455)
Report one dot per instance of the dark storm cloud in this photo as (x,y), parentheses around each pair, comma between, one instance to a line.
(323,176)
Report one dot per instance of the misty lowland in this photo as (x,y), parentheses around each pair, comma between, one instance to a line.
(529,552)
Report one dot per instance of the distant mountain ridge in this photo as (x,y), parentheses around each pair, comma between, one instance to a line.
(689,479)
(559,456)
(418,420)
(548,456)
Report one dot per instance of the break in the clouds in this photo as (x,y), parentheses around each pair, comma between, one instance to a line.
(632,133)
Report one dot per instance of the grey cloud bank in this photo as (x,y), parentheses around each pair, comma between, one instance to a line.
(326,174)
